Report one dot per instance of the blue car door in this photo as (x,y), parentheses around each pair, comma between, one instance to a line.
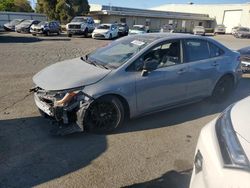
(166,85)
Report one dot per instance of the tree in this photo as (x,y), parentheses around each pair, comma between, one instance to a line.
(47,7)
(15,6)
(63,10)
(22,6)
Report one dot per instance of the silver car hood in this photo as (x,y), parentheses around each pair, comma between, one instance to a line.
(69,74)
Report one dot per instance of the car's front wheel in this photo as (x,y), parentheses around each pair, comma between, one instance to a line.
(222,89)
(104,115)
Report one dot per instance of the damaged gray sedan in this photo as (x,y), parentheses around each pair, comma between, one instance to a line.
(134,76)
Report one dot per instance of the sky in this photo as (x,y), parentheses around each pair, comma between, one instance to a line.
(144,4)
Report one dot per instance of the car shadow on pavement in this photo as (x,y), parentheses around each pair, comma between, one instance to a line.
(171,179)
(28,39)
(186,113)
(29,156)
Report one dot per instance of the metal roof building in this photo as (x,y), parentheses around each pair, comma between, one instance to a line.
(154,19)
(230,15)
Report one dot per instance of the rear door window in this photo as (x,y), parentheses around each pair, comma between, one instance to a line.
(215,51)
(196,50)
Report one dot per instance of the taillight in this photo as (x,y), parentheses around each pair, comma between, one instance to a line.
(238,59)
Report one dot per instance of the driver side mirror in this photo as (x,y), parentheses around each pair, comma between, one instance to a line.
(149,66)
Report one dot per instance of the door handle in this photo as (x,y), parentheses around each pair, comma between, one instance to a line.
(215,64)
(181,71)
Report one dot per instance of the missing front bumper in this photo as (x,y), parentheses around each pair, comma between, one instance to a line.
(69,119)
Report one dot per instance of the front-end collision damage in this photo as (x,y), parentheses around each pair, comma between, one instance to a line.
(68,108)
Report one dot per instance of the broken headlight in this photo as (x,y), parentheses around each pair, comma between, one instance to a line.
(232,152)
(68,97)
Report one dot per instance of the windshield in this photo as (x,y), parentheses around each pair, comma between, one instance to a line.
(77,19)
(118,52)
(43,23)
(244,29)
(103,27)
(139,28)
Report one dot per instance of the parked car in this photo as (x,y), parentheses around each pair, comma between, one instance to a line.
(242,32)
(123,29)
(134,76)
(105,31)
(46,28)
(10,26)
(199,30)
(167,29)
(25,26)
(245,59)
(223,150)
(80,25)
(137,29)
(234,29)
(220,29)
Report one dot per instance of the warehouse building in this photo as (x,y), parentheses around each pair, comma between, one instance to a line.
(230,15)
(183,22)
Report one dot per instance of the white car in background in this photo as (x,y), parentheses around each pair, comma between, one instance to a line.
(105,31)
(199,30)
(137,29)
(223,150)
(220,29)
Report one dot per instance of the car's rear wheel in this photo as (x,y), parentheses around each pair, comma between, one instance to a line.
(69,35)
(86,32)
(222,89)
(104,115)
(110,36)
(47,33)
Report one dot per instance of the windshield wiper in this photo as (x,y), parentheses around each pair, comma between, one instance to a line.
(103,66)
(92,62)
(87,61)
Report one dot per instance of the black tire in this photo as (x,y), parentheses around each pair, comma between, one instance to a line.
(47,33)
(110,36)
(69,35)
(222,89)
(33,34)
(86,32)
(104,115)
(43,114)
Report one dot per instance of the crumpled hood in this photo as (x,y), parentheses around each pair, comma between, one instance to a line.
(37,26)
(23,25)
(69,74)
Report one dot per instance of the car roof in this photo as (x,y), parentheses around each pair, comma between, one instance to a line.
(159,37)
